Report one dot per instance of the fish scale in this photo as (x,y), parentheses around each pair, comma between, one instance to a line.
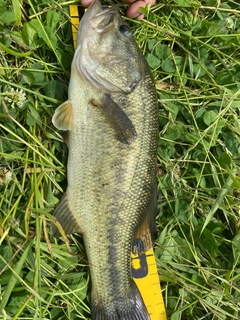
(112,139)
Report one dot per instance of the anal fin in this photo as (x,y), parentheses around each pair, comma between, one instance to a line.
(65,218)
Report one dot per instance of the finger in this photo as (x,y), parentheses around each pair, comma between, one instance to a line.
(86,3)
(128,1)
(133,10)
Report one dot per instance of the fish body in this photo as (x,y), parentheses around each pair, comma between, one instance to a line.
(112,122)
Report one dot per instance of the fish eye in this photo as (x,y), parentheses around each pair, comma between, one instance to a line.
(124,29)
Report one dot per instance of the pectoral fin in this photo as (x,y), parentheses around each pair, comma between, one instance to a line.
(117,118)
(144,235)
(65,218)
(63,118)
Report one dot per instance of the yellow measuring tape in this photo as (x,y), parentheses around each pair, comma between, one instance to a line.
(144,269)
(76,13)
(144,272)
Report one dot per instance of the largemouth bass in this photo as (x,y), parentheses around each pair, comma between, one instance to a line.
(112,121)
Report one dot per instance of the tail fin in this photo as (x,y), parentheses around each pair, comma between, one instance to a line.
(128,307)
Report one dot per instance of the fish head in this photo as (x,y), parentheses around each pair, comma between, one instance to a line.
(107,56)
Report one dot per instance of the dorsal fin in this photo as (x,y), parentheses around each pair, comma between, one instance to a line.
(145,232)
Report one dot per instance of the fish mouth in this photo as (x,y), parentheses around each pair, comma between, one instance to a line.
(96,17)
(96,10)
(102,18)
(96,6)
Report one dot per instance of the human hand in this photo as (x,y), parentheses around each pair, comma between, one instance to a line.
(133,10)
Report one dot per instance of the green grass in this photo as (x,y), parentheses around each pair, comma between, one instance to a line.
(193,49)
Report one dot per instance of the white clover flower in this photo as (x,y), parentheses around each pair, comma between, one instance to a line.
(5,175)
(229,23)
(15,97)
